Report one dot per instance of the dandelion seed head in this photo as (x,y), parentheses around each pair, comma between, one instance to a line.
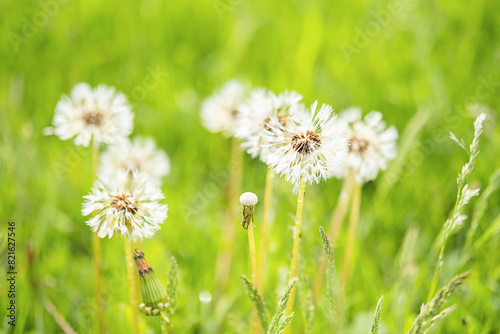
(371,144)
(219,111)
(101,114)
(306,143)
(308,147)
(125,204)
(141,154)
(256,113)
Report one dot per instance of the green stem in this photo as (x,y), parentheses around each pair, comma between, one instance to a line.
(437,271)
(337,219)
(96,252)
(224,259)
(255,271)
(297,236)
(166,325)
(268,193)
(444,238)
(253,255)
(132,285)
(351,234)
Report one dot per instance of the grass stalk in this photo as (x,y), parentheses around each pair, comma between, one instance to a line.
(297,236)
(464,194)
(351,234)
(96,252)
(268,193)
(223,266)
(335,225)
(166,325)
(129,257)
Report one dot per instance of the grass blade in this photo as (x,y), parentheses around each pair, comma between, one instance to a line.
(256,300)
(279,320)
(430,313)
(331,279)
(376,316)
(173,281)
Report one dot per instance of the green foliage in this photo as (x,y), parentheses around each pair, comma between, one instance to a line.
(464,195)
(279,321)
(376,316)
(429,313)
(306,295)
(481,206)
(173,281)
(332,285)
(256,300)
(423,68)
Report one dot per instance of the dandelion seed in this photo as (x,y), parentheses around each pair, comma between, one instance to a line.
(309,147)
(219,111)
(102,114)
(255,113)
(140,154)
(372,144)
(126,205)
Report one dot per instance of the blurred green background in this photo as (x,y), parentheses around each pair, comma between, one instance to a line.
(422,63)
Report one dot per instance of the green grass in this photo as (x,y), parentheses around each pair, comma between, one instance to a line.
(422,67)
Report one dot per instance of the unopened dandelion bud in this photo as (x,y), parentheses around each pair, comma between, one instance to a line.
(248,201)
(153,292)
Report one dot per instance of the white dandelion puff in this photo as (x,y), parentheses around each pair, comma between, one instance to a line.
(309,147)
(219,111)
(141,154)
(255,113)
(372,144)
(248,199)
(101,114)
(126,204)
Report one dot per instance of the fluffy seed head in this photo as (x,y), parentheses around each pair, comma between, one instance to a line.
(372,144)
(256,112)
(141,154)
(101,114)
(219,111)
(308,147)
(125,204)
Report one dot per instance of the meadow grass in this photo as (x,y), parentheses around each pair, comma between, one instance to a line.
(421,69)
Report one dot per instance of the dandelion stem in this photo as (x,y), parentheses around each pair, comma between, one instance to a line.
(96,252)
(132,285)
(255,272)
(341,208)
(166,325)
(297,236)
(224,259)
(253,254)
(335,225)
(268,193)
(351,234)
